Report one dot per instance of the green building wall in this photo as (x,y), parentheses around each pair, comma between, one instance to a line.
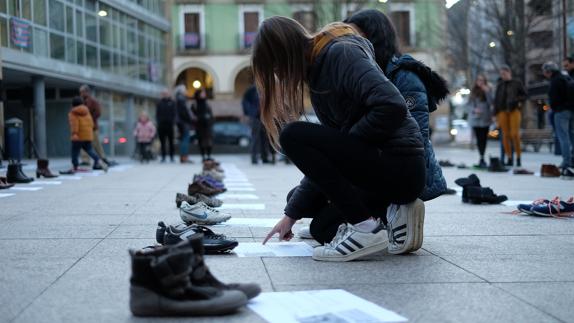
(222,22)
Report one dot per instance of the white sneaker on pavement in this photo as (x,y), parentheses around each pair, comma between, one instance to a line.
(305,233)
(200,213)
(405,224)
(349,244)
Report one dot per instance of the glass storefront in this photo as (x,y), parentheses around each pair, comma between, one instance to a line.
(89,33)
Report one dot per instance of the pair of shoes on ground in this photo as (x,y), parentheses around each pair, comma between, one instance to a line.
(201,213)
(196,198)
(205,186)
(474,193)
(15,174)
(4,184)
(213,243)
(402,234)
(173,280)
(209,180)
(551,208)
(496,165)
(211,164)
(549,170)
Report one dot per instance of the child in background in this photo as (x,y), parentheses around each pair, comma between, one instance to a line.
(144,132)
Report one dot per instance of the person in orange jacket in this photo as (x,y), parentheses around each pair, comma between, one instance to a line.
(81,130)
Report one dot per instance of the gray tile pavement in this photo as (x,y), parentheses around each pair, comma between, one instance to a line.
(64,248)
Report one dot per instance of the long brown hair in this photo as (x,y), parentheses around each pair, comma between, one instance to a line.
(477,92)
(279,64)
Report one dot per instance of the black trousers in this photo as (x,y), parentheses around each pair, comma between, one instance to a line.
(346,169)
(481,134)
(165,132)
(259,142)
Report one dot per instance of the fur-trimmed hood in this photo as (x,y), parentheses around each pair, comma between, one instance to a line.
(435,85)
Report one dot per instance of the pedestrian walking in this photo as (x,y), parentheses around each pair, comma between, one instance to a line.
(95,111)
(480,114)
(144,133)
(82,134)
(184,122)
(260,145)
(204,123)
(367,144)
(165,116)
(508,102)
(562,105)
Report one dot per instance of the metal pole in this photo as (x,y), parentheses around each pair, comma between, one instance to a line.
(129,124)
(564,29)
(1,108)
(40,116)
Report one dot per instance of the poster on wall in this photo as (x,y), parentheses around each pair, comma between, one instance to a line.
(20,32)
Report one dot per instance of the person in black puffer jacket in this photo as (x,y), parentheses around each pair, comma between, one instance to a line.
(368,147)
(165,115)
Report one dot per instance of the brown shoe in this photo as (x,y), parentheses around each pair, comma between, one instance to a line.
(4,183)
(212,165)
(200,188)
(43,170)
(549,170)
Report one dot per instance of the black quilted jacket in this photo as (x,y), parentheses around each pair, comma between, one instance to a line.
(349,92)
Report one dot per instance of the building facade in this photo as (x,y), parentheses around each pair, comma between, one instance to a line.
(212,39)
(48,48)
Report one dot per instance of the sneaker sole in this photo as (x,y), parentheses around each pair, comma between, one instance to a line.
(563,214)
(144,302)
(354,255)
(202,222)
(415,229)
(525,211)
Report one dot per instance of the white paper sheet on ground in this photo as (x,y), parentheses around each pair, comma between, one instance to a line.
(236,182)
(45,183)
(5,195)
(70,177)
(231,206)
(250,222)
(29,188)
(320,306)
(241,189)
(121,168)
(227,196)
(90,174)
(515,203)
(235,185)
(273,249)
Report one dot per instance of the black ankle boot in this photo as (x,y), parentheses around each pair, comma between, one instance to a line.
(160,285)
(201,275)
(518,162)
(14,174)
(479,195)
(510,161)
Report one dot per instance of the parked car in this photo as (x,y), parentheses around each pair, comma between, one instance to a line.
(231,132)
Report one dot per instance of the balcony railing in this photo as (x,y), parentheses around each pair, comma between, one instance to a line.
(247,39)
(191,42)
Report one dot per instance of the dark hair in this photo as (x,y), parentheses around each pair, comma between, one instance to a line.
(570,59)
(477,92)
(379,30)
(279,66)
(77,101)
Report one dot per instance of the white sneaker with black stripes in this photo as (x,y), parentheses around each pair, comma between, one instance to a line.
(405,225)
(349,244)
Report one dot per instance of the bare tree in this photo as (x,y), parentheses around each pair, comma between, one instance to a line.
(502,32)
